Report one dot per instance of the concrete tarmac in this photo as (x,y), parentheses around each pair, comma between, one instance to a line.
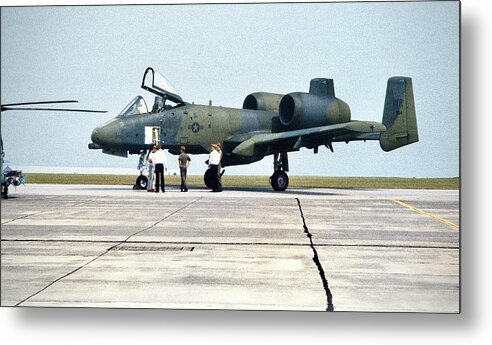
(245,248)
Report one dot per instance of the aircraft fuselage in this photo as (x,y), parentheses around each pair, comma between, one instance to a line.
(191,125)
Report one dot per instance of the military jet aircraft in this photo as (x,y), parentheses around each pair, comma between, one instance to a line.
(268,124)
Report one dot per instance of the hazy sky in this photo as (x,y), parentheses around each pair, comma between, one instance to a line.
(97,55)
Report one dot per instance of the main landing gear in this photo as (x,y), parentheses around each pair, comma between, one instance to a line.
(208,178)
(279,180)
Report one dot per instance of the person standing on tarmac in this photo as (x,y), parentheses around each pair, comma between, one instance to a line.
(184,162)
(214,162)
(150,184)
(160,163)
(219,168)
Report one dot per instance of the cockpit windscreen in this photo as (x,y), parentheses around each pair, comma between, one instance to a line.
(136,106)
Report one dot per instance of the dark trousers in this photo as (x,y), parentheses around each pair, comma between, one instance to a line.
(215,172)
(183,172)
(159,177)
(219,177)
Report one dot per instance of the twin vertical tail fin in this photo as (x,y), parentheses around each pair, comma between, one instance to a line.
(399,115)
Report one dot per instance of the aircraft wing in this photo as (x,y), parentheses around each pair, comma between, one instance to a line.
(267,143)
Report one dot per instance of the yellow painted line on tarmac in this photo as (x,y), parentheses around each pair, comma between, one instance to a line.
(417,210)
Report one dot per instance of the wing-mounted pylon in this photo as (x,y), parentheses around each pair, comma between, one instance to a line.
(156,83)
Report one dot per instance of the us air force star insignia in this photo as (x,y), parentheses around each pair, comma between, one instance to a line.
(195,127)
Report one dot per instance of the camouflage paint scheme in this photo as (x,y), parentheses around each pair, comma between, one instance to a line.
(267,124)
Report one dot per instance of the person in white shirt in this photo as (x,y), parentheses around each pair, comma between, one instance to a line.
(219,168)
(160,164)
(214,163)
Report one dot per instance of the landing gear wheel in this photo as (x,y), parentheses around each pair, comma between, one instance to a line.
(279,181)
(208,178)
(5,192)
(141,182)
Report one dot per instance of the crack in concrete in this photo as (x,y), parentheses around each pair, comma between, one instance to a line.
(329,296)
(25,216)
(52,209)
(105,252)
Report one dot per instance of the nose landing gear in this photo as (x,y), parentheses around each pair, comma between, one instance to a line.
(141,182)
(279,180)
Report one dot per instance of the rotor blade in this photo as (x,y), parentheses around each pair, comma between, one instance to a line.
(57,109)
(42,102)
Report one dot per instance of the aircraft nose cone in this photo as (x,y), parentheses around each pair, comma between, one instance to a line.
(106,135)
(95,136)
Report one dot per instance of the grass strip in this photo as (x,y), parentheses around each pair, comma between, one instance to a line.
(258,181)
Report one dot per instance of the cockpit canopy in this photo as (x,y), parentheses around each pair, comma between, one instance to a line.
(136,106)
(156,83)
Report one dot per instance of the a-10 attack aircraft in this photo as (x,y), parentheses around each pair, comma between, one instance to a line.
(267,124)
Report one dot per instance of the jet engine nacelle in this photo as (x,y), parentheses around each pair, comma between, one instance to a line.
(305,110)
(262,101)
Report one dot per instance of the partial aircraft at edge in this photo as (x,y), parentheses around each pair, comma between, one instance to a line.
(267,124)
(15,177)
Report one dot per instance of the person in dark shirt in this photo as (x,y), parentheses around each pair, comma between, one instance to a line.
(184,162)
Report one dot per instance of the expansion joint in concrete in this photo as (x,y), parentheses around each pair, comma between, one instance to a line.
(329,296)
(153,225)
(104,253)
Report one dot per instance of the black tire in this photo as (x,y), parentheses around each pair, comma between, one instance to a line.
(208,179)
(279,181)
(5,192)
(141,182)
